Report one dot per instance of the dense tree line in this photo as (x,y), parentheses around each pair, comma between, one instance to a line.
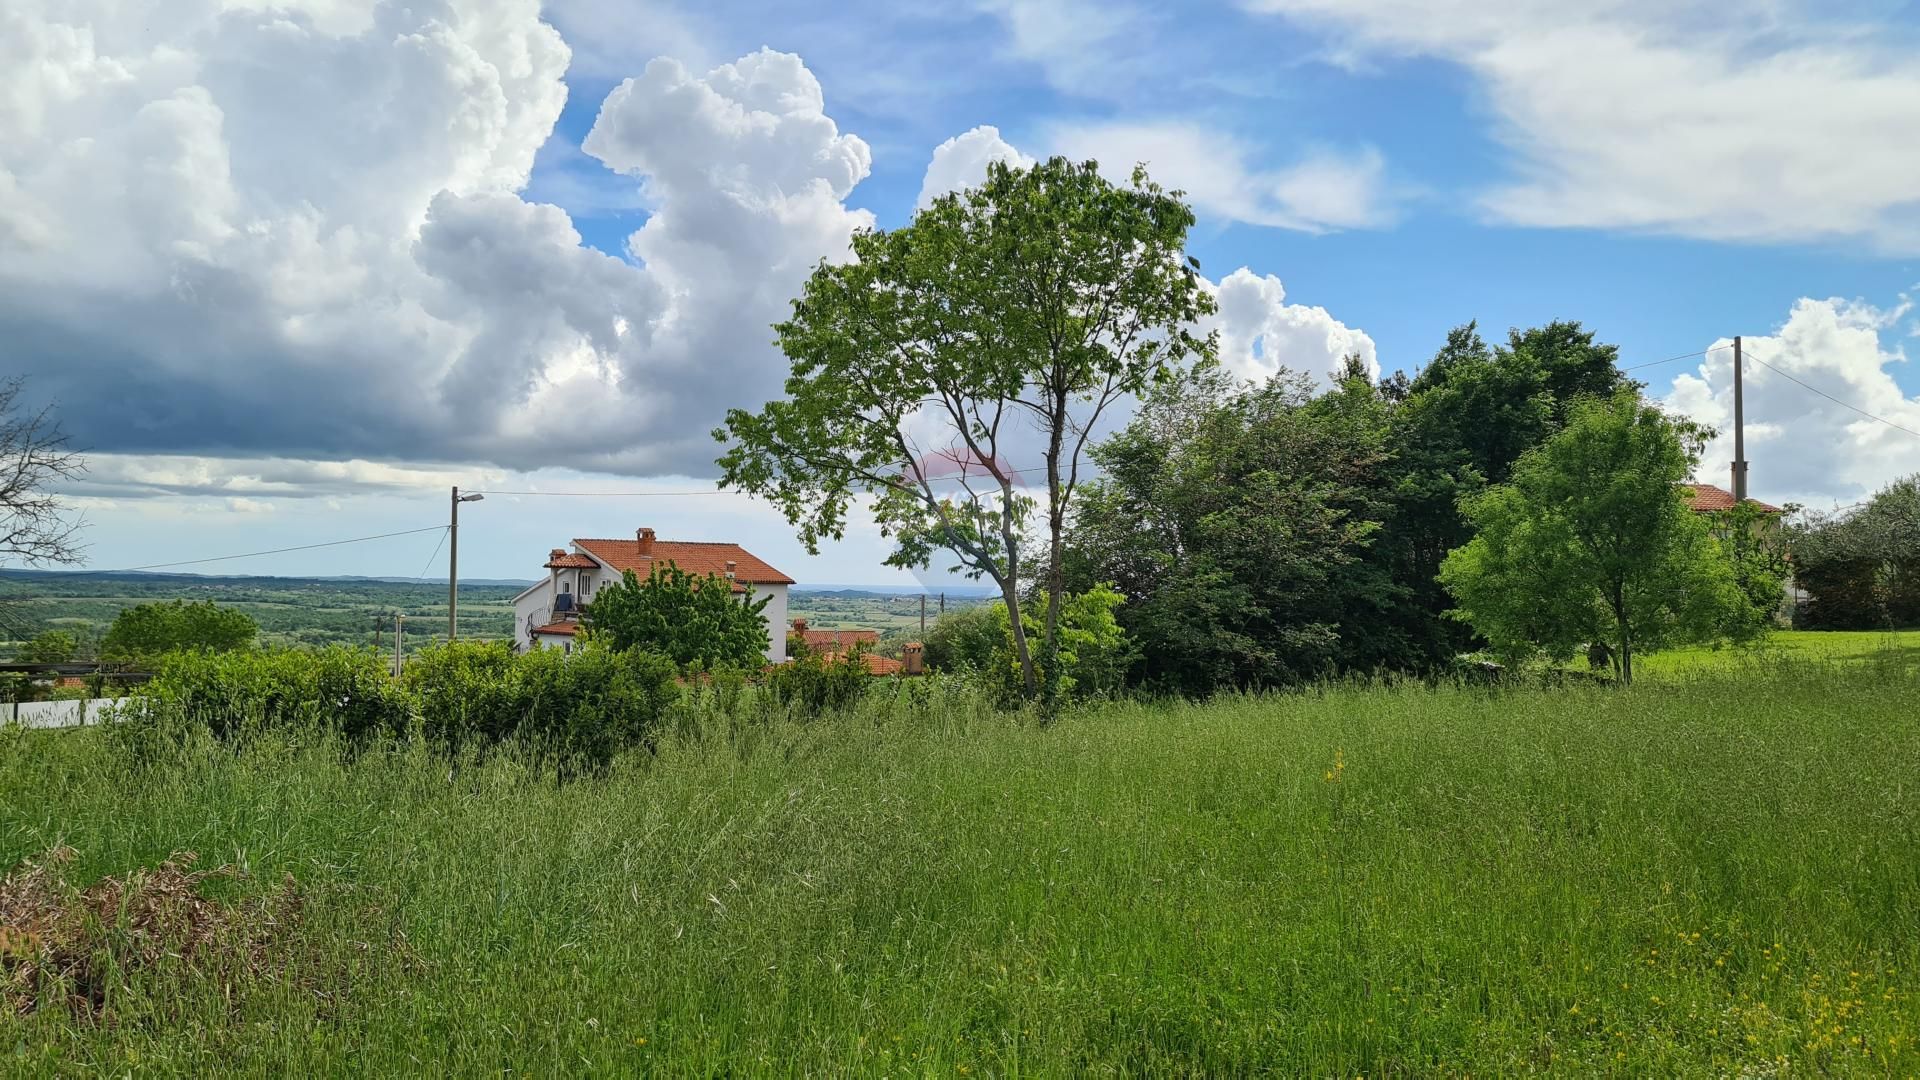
(1861,569)
(1268,534)
(1238,535)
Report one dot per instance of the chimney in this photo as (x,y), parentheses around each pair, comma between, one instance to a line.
(556,555)
(799,626)
(730,569)
(913,659)
(645,540)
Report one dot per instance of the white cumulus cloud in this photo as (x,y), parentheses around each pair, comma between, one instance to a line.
(298,230)
(961,162)
(1322,190)
(1759,122)
(1260,332)
(1802,447)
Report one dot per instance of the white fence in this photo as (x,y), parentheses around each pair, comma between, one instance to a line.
(57,714)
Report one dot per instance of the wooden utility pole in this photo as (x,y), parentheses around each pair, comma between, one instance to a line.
(399,642)
(923,614)
(453,561)
(453,567)
(1739,430)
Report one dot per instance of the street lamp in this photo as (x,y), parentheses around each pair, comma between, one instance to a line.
(453,562)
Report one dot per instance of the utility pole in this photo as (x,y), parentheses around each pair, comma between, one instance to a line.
(943,605)
(453,561)
(1739,430)
(399,638)
(923,614)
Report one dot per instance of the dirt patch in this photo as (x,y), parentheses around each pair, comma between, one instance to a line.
(80,947)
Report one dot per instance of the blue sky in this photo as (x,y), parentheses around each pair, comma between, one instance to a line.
(1440,265)
(331,257)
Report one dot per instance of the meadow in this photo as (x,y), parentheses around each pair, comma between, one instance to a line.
(1876,647)
(1706,874)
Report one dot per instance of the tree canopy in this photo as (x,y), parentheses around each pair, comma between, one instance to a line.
(1457,427)
(1019,310)
(693,621)
(1236,519)
(51,647)
(146,631)
(1861,569)
(1592,539)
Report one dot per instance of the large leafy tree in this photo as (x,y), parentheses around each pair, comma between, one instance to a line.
(1236,520)
(1010,314)
(1592,539)
(146,631)
(1459,426)
(691,620)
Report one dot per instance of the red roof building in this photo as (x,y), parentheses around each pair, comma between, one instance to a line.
(830,642)
(1708,499)
(836,642)
(695,557)
(547,613)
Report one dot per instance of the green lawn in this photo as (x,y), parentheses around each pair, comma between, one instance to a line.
(1703,877)
(1788,645)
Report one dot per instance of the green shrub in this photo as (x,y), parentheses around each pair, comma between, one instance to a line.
(811,684)
(583,707)
(334,689)
(464,691)
(592,703)
(589,704)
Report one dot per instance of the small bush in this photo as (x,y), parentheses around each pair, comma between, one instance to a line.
(811,684)
(464,691)
(589,704)
(593,703)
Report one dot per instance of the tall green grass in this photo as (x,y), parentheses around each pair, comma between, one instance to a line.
(1718,875)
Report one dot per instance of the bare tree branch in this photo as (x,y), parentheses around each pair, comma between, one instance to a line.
(34,455)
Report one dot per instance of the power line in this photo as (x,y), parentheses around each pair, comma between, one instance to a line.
(275,551)
(1830,397)
(1671,359)
(421,576)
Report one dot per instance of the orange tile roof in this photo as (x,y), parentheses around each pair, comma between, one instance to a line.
(694,557)
(835,640)
(571,562)
(1707,499)
(565,629)
(882,665)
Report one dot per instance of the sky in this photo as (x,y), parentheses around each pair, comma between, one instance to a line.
(290,269)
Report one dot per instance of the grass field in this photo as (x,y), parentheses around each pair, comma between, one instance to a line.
(1719,875)
(1838,646)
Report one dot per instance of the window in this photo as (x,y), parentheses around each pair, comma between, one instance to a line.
(586,585)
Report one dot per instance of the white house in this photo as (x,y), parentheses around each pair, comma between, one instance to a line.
(547,614)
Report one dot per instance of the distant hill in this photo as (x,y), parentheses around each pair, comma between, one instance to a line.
(857,591)
(150,576)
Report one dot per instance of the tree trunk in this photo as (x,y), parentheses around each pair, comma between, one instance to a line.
(1010,592)
(1056,570)
(1626,654)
